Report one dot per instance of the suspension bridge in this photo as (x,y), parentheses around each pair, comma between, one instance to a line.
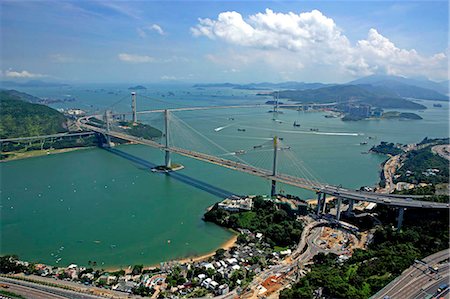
(267,167)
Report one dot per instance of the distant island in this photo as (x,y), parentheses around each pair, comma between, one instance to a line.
(400,115)
(137,87)
(265,85)
(32,83)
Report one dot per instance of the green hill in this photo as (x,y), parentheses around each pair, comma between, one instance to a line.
(19,118)
(349,93)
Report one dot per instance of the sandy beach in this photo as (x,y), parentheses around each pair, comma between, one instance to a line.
(227,245)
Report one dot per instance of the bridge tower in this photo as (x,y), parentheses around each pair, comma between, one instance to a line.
(133,106)
(168,162)
(274,168)
(107,117)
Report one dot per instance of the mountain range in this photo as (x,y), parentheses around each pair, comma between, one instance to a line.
(376,90)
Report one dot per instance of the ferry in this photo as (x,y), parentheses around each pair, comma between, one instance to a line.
(296,124)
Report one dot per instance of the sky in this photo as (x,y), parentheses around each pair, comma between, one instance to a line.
(222,41)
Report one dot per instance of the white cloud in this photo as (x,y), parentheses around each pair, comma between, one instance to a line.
(169,78)
(133,58)
(143,31)
(23,74)
(157,28)
(312,39)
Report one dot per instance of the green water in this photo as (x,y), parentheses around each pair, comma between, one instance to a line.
(102,207)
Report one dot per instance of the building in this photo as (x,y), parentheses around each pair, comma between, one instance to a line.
(236,204)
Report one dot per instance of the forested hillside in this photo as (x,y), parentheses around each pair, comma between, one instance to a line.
(19,118)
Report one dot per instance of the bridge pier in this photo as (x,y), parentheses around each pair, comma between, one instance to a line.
(338,208)
(273,190)
(401,212)
(319,203)
(168,162)
(351,203)
(324,203)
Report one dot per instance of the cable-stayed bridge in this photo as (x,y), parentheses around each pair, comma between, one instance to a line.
(266,166)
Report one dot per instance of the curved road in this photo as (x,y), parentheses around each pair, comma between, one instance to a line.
(417,281)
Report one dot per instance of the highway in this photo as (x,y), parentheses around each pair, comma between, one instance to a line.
(417,281)
(39,291)
(379,198)
(46,136)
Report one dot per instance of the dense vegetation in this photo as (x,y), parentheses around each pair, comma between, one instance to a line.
(417,162)
(19,118)
(400,115)
(386,148)
(427,190)
(142,130)
(346,93)
(390,253)
(277,226)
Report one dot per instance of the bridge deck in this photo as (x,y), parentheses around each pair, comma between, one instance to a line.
(379,198)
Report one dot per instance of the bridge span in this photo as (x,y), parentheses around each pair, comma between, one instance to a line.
(321,189)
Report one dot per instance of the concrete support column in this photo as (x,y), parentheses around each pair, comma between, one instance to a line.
(338,208)
(401,211)
(319,203)
(324,203)
(351,203)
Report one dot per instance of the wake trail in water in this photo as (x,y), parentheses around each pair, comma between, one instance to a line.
(306,132)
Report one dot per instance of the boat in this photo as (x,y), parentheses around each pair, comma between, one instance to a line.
(257,146)
(363,143)
(231,118)
(241,130)
(314,129)
(437,105)
(296,124)
(329,116)
(364,153)
(239,152)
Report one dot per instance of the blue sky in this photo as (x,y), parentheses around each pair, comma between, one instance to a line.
(218,41)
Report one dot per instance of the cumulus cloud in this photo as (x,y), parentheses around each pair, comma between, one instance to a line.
(143,31)
(133,58)
(310,39)
(23,74)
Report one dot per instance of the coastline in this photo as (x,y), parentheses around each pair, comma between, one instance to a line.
(39,153)
(196,258)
